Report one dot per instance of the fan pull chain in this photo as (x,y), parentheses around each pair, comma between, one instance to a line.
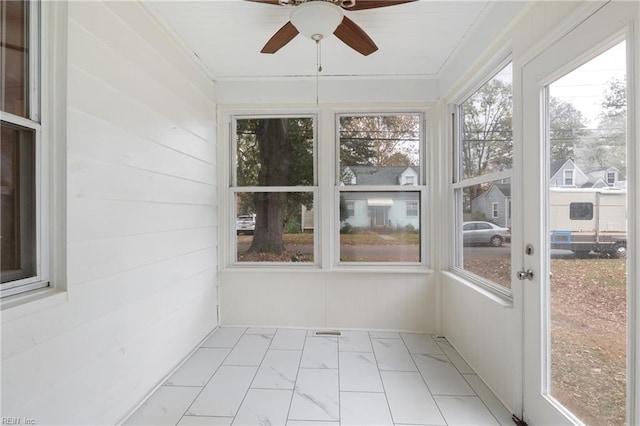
(318,67)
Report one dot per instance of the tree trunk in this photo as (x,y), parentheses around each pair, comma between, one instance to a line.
(275,158)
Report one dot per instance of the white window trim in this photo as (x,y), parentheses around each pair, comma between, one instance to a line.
(494,210)
(47,115)
(421,187)
(231,255)
(41,277)
(489,71)
(326,219)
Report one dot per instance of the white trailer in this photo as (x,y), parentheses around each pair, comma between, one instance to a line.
(587,219)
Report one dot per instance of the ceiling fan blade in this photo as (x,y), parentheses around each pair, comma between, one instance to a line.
(273,2)
(355,37)
(279,39)
(372,4)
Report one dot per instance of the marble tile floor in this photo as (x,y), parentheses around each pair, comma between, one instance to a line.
(259,376)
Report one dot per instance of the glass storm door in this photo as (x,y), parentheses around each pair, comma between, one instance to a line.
(576,220)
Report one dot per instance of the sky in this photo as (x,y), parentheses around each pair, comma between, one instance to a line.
(584,87)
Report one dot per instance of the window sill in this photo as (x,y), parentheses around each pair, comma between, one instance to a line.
(20,305)
(371,269)
(499,298)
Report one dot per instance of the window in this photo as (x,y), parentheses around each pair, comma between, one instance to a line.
(482,176)
(580,211)
(273,183)
(494,210)
(568,177)
(412,208)
(378,156)
(611,178)
(22,266)
(351,212)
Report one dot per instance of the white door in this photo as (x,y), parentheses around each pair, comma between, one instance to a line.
(575,302)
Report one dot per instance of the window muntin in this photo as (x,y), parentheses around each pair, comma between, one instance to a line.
(381,156)
(484,155)
(24,266)
(273,183)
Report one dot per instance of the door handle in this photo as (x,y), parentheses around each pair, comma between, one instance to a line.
(525,275)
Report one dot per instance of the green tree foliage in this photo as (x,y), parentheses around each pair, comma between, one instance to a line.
(379,140)
(487,136)
(567,127)
(608,146)
(274,152)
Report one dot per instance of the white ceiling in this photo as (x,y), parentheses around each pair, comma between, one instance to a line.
(414,39)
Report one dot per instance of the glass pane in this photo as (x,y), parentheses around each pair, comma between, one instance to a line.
(487,138)
(486,231)
(588,235)
(14,57)
(380,226)
(17,202)
(274,226)
(275,152)
(380,150)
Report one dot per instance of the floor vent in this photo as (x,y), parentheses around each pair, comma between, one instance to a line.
(331,333)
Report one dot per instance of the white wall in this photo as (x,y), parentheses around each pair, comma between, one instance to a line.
(141,228)
(319,299)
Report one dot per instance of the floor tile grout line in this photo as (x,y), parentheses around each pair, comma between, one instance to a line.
(295,382)
(257,368)
(384,390)
(482,400)
(450,351)
(465,379)
(214,373)
(424,380)
(449,358)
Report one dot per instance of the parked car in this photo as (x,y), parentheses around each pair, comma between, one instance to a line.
(246,224)
(478,232)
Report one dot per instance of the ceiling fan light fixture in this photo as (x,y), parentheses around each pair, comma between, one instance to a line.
(316,19)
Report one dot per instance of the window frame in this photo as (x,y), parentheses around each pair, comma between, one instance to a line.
(232,257)
(494,210)
(415,211)
(568,175)
(33,122)
(459,182)
(421,187)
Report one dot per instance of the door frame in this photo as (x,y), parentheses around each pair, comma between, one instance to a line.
(611,22)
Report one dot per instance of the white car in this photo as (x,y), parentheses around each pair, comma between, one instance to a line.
(246,224)
(479,232)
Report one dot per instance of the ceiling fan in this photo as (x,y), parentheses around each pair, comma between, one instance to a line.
(317,19)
